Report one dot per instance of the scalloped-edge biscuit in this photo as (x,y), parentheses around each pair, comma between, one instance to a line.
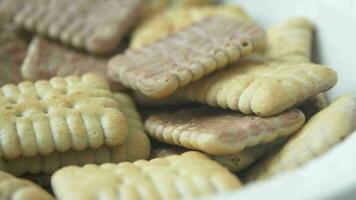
(12,188)
(174,20)
(86,24)
(135,147)
(190,175)
(220,132)
(159,69)
(12,53)
(46,59)
(323,131)
(71,113)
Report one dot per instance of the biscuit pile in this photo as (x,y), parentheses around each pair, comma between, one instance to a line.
(156,99)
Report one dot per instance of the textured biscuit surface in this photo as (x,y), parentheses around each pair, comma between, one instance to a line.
(135,147)
(220,132)
(174,20)
(271,82)
(190,175)
(12,188)
(159,69)
(12,53)
(46,59)
(322,132)
(71,113)
(91,24)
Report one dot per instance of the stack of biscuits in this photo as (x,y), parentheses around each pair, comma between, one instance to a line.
(156,99)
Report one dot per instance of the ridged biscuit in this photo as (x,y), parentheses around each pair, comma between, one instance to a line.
(271,82)
(190,175)
(12,53)
(94,25)
(71,113)
(46,59)
(135,147)
(323,131)
(12,188)
(220,132)
(173,20)
(159,69)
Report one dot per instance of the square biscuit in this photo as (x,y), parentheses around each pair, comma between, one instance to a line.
(322,132)
(173,20)
(71,113)
(190,175)
(220,132)
(46,59)
(93,25)
(159,69)
(13,188)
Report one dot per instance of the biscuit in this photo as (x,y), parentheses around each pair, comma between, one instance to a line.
(159,69)
(86,24)
(173,20)
(265,84)
(313,105)
(71,113)
(187,176)
(46,59)
(170,101)
(135,147)
(323,131)
(12,188)
(234,162)
(220,132)
(12,53)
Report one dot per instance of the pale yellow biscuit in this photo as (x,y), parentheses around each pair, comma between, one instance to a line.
(157,70)
(190,175)
(323,131)
(174,20)
(271,82)
(12,188)
(220,132)
(46,59)
(93,25)
(135,147)
(71,113)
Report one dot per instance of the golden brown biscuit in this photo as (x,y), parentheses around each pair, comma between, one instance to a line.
(220,132)
(173,20)
(323,131)
(159,69)
(12,53)
(90,24)
(12,188)
(269,83)
(46,59)
(58,115)
(190,175)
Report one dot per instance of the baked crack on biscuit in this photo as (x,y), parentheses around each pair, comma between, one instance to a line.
(190,175)
(220,132)
(159,69)
(93,25)
(323,131)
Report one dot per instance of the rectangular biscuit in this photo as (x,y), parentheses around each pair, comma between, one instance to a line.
(93,25)
(269,83)
(46,59)
(220,132)
(323,131)
(71,113)
(12,53)
(159,69)
(190,175)
(12,188)
(173,20)
(135,147)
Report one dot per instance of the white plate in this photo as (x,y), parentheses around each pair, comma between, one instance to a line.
(332,175)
